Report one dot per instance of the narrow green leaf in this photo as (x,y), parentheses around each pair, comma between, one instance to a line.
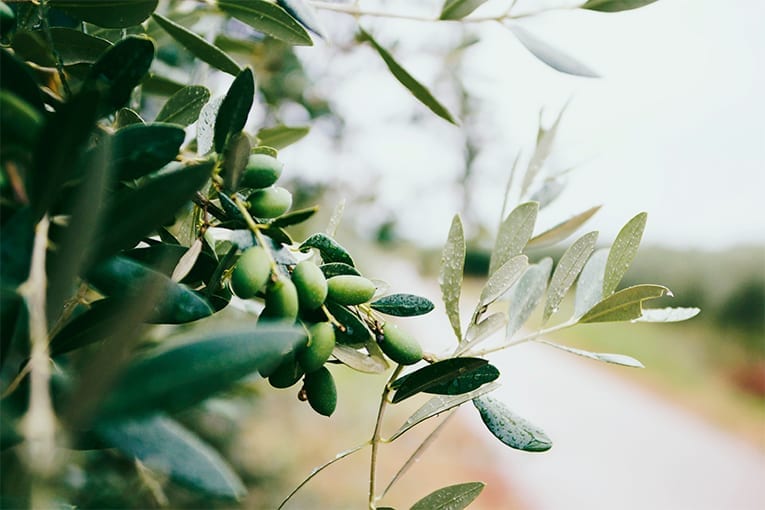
(562,230)
(622,252)
(513,234)
(510,428)
(668,314)
(119,70)
(476,333)
(184,106)
(126,279)
(569,266)
(280,137)
(108,13)
(453,376)
(549,191)
(76,47)
(545,140)
(91,326)
(268,18)
(331,250)
(458,9)
(589,288)
(616,359)
(438,405)
(164,445)
(407,80)
(141,149)
(59,148)
(163,257)
(403,305)
(198,46)
(206,125)
(615,5)
(450,274)
(353,332)
(134,213)
(295,217)
(624,305)
(359,361)
(17,78)
(454,497)
(203,363)
(550,55)
(305,13)
(338,268)
(526,295)
(504,278)
(235,108)
(236,155)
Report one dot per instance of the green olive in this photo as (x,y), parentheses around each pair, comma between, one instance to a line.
(270,202)
(321,392)
(321,343)
(350,290)
(286,374)
(261,172)
(251,272)
(281,300)
(310,283)
(400,346)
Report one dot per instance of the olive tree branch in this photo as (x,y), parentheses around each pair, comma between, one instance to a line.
(377,434)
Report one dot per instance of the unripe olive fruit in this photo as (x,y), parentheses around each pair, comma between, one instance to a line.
(270,202)
(281,300)
(310,283)
(286,374)
(350,290)
(251,272)
(321,392)
(321,343)
(400,346)
(261,172)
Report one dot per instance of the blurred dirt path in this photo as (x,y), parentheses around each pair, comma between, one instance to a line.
(616,445)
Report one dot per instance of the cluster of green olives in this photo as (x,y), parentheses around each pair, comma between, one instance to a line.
(307,293)
(267,200)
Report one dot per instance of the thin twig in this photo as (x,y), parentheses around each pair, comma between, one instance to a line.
(376,436)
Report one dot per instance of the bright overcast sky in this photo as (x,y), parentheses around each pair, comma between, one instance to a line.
(674,127)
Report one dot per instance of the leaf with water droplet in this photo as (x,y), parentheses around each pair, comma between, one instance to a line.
(622,252)
(589,288)
(625,305)
(453,497)
(526,294)
(450,274)
(501,281)
(477,333)
(510,428)
(569,266)
(513,234)
(562,230)
(616,359)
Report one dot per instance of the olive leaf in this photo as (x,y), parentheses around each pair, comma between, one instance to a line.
(553,57)
(624,305)
(458,9)
(164,445)
(357,360)
(478,332)
(235,108)
(269,18)
(198,46)
(108,13)
(510,428)
(615,5)
(127,117)
(562,230)
(450,274)
(623,251)
(338,268)
(616,359)
(305,13)
(453,376)
(140,149)
(331,250)
(295,217)
(501,281)
(280,137)
(183,107)
(668,314)
(569,266)
(453,497)
(75,46)
(513,234)
(589,288)
(403,305)
(545,140)
(526,295)
(407,80)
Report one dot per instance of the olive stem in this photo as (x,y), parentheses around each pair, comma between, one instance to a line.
(256,231)
(331,318)
(376,436)
(318,469)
